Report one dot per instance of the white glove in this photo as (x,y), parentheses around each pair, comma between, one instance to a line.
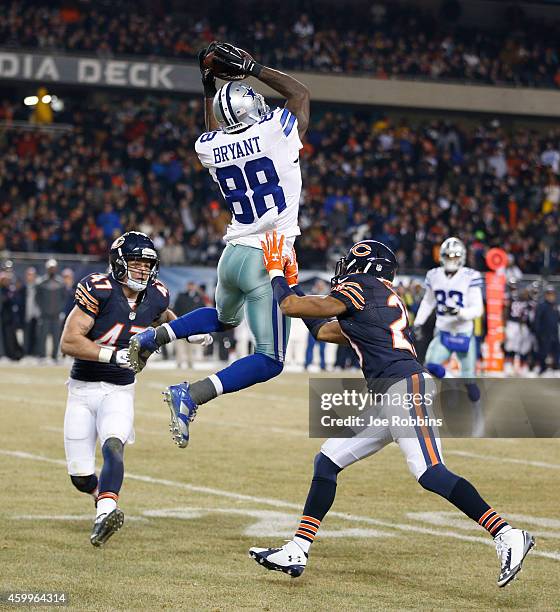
(121,358)
(202,339)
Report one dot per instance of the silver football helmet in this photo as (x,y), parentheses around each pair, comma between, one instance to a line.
(237,106)
(452,254)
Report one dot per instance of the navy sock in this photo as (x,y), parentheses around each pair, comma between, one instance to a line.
(249,371)
(112,473)
(319,500)
(200,321)
(462,494)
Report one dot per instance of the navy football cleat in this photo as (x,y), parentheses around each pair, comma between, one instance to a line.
(512,548)
(140,347)
(105,526)
(289,559)
(183,410)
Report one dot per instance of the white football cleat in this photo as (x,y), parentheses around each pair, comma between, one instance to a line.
(512,548)
(290,559)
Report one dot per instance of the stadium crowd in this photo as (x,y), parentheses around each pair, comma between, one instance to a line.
(133,165)
(386,40)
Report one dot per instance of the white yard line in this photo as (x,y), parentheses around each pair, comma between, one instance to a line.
(469,455)
(278,503)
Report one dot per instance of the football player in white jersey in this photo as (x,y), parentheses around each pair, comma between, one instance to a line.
(252,152)
(455,291)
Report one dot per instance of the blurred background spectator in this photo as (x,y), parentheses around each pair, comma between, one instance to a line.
(51,300)
(319,288)
(187,301)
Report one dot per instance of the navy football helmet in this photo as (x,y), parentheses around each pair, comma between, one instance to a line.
(130,247)
(369,257)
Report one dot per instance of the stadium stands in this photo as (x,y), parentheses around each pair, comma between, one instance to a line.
(380,39)
(132,165)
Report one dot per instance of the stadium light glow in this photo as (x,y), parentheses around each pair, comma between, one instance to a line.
(46,99)
(30,100)
(57,104)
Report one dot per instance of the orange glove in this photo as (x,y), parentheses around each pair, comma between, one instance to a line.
(272,254)
(291,268)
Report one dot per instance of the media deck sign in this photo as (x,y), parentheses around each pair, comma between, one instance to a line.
(91,71)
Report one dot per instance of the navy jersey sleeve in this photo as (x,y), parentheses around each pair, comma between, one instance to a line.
(91,293)
(162,293)
(351,293)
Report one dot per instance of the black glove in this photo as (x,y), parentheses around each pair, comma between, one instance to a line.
(452,311)
(208,79)
(234,62)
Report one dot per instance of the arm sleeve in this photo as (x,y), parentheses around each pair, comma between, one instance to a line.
(475,303)
(351,294)
(426,307)
(313,325)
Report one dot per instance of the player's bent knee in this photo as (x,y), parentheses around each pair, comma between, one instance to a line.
(113,449)
(84,484)
(473,391)
(438,479)
(269,367)
(436,369)
(325,468)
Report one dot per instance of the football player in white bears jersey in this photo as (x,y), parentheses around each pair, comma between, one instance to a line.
(252,152)
(455,291)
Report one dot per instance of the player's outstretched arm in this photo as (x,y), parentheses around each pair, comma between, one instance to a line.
(296,94)
(313,309)
(311,306)
(209,85)
(75,343)
(426,307)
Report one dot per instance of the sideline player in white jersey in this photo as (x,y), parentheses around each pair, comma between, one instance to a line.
(455,291)
(252,152)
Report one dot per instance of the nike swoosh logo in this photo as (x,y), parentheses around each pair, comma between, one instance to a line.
(88,287)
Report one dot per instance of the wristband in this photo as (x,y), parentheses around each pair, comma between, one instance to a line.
(280,288)
(209,85)
(255,69)
(106,355)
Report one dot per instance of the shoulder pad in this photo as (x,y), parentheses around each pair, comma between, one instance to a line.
(91,292)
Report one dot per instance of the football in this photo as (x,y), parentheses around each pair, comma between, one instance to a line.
(218,71)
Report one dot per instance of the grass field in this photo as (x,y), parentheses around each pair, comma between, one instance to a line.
(191,515)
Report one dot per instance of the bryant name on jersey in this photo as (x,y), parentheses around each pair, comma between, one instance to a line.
(115,322)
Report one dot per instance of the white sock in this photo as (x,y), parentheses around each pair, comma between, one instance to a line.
(105,505)
(305,545)
(217,383)
(503,530)
(171,333)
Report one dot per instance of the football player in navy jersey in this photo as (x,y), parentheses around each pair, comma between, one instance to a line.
(109,309)
(371,317)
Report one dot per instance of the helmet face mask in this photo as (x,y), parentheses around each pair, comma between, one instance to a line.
(237,106)
(126,253)
(452,254)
